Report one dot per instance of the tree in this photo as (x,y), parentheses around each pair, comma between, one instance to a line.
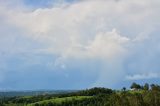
(146,86)
(155,87)
(124,89)
(135,86)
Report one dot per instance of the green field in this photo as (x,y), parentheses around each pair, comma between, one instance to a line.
(60,100)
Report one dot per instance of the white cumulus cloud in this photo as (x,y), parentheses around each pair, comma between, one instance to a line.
(108,30)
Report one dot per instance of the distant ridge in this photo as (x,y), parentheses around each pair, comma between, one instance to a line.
(12,93)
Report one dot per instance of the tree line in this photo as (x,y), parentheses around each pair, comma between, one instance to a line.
(138,95)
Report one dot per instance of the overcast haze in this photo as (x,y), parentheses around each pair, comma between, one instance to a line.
(77,44)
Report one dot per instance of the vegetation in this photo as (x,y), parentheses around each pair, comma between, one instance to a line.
(139,95)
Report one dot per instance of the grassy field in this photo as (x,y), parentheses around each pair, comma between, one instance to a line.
(60,100)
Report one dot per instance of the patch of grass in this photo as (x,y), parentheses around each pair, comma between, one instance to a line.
(60,100)
(136,91)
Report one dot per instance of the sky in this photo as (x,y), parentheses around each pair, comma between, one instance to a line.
(78,44)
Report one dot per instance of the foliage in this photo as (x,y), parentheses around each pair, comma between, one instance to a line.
(135,86)
(92,97)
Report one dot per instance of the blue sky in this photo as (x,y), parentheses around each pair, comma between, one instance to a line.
(78,44)
(45,3)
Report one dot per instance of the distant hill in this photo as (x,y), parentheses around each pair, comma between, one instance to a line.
(33,93)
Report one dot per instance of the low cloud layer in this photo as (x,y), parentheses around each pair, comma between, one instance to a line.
(142,76)
(116,38)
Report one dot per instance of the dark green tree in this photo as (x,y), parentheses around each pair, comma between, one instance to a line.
(146,86)
(124,89)
(135,86)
